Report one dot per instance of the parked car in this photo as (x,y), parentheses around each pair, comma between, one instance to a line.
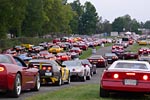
(86,63)
(16,76)
(51,71)
(63,56)
(76,50)
(144,57)
(144,50)
(56,49)
(110,57)
(129,55)
(77,70)
(125,76)
(98,60)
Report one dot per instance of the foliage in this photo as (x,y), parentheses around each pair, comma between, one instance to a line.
(147,24)
(125,23)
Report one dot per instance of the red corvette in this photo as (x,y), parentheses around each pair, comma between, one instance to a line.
(144,50)
(125,76)
(15,76)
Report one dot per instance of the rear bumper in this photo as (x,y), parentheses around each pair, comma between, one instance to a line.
(119,86)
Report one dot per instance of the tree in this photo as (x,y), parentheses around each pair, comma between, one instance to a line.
(88,20)
(78,11)
(18,11)
(32,25)
(107,26)
(5,13)
(147,24)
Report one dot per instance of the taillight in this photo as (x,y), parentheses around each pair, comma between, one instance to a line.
(49,68)
(130,73)
(145,77)
(1,69)
(90,60)
(116,76)
(35,66)
(100,60)
(43,68)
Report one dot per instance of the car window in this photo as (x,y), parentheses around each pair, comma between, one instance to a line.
(19,62)
(5,59)
(131,65)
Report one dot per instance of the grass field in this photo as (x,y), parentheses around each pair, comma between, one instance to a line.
(84,92)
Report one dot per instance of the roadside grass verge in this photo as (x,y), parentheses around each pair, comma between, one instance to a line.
(82,92)
(88,53)
(135,47)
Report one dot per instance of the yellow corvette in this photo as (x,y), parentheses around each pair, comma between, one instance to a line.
(51,71)
(143,42)
(27,46)
(56,49)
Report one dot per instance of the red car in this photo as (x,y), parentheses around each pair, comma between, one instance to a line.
(16,76)
(129,55)
(63,56)
(144,50)
(76,50)
(117,48)
(125,76)
(98,60)
(46,55)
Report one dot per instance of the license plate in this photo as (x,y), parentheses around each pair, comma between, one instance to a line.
(48,74)
(130,82)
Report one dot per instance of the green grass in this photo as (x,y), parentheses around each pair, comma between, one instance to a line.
(82,92)
(135,47)
(88,52)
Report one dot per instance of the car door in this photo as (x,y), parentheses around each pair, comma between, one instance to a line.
(27,73)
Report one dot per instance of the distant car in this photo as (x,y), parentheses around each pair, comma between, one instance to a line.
(25,57)
(51,72)
(76,50)
(46,55)
(117,48)
(56,49)
(129,55)
(125,76)
(77,70)
(110,57)
(63,56)
(98,60)
(86,63)
(144,57)
(144,50)
(143,42)
(16,76)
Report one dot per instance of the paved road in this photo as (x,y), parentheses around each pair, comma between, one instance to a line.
(94,80)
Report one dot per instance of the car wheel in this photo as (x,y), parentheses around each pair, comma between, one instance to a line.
(37,83)
(89,77)
(95,72)
(59,82)
(83,78)
(103,92)
(69,79)
(17,86)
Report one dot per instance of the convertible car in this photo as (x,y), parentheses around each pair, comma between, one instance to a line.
(15,76)
(125,76)
(51,71)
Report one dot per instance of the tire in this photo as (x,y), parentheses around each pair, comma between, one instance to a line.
(95,72)
(37,83)
(83,78)
(103,93)
(89,77)
(17,86)
(69,80)
(59,82)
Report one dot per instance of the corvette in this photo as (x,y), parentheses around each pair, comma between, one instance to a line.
(125,76)
(16,76)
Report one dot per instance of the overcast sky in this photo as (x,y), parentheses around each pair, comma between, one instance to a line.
(111,9)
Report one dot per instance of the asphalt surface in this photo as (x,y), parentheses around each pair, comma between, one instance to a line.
(94,80)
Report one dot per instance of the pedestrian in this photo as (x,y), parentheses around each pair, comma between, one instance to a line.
(93,50)
(102,45)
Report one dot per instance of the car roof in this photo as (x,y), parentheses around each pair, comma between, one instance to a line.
(129,61)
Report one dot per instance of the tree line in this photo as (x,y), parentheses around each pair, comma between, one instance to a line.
(32,18)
